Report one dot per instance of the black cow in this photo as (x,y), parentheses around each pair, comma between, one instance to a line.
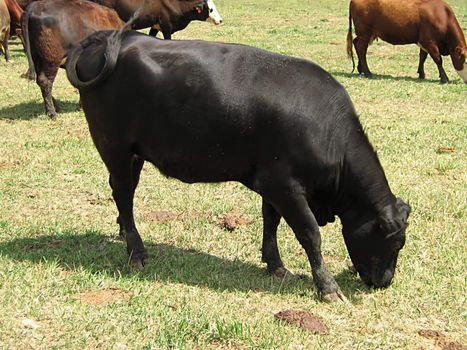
(210,112)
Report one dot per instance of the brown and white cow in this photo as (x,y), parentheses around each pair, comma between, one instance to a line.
(4,29)
(53,27)
(167,16)
(431,24)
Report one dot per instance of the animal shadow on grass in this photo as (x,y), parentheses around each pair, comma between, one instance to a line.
(98,253)
(384,77)
(30,110)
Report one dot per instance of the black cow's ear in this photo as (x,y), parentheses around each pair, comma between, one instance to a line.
(404,209)
(393,218)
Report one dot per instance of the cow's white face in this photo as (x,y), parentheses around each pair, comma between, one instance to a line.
(463,72)
(214,15)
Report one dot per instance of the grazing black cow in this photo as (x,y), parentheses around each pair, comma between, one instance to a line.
(210,112)
(167,16)
(50,29)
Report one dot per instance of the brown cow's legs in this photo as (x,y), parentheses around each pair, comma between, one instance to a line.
(361,46)
(124,171)
(5,45)
(421,71)
(45,80)
(270,252)
(433,51)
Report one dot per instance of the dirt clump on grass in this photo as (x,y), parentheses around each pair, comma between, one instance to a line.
(103,296)
(231,221)
(441,340)
(303,319)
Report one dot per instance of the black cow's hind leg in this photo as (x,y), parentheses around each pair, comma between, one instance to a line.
(45,80)
(270,251)
(124,168)
(300,218)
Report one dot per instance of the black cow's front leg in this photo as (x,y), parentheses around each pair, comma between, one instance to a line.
(300,218)
(124,175)
(270,251)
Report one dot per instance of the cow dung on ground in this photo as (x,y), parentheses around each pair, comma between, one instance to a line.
(303,319)
(231,221)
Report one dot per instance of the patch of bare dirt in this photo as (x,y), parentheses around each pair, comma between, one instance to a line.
(8,165)
(303,319)
(166,215)
(442,149)
(103,296)
(42,246)
(441,340)
(231,221)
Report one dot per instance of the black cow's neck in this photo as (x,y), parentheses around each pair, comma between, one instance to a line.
(364,188)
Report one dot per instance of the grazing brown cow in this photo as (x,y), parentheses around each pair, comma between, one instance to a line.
(15,12)
(53,27)
(431,24)
(167,16)
(4,29)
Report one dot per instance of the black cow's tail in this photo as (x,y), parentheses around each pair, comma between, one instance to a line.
(112,44)
(31,73)
(350,39)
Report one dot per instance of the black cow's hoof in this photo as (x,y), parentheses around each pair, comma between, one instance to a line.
(333,297)
(139,259)
(282,272)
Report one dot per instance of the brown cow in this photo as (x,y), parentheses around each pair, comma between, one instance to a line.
(53,27)
(15,12)
(431,24)
(4,29)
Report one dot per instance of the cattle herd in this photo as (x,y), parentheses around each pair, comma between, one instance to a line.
(210,112)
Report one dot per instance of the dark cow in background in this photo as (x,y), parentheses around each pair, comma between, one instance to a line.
(431,24)
(4,29)
(167,16)
(210,112)
(51,28)
(15,12)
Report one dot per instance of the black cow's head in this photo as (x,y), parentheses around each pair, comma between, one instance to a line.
(374,244)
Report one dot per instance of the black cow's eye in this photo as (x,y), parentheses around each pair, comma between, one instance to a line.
(211,10)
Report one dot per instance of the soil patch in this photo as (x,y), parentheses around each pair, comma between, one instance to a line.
(102,297)
(167,215)
(231,221)
(303,319)
(441,340)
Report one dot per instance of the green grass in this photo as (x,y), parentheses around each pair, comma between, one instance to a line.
(205,287)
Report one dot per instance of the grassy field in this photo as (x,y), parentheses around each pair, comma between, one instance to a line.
(64,279)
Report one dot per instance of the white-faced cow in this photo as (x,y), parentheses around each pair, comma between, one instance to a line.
(51,28)
(431,24)
(4,29)
(167,16)
(210,112)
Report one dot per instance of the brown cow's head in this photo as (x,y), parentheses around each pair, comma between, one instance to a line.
(459,61)
(374,244)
